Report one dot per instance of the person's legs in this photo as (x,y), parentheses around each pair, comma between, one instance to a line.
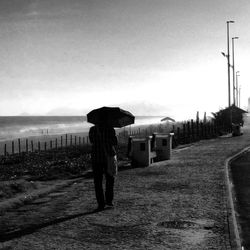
(109,192)
(98,177)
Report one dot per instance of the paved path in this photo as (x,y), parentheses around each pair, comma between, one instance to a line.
(175,204)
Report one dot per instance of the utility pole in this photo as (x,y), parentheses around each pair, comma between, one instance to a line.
(233,66)
(239,96)
(228,64)
(237,89)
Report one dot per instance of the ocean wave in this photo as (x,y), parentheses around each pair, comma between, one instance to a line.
(20,127)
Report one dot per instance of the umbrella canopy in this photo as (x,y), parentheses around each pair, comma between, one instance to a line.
(111,116)
(168,119)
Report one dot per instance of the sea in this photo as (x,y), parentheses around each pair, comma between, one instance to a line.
(13,127)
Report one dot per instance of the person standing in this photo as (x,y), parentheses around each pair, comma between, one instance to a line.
(104,141)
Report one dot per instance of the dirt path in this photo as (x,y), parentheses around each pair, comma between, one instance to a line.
(175,204)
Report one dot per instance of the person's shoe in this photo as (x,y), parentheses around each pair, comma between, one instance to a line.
(99,209)
(110,205)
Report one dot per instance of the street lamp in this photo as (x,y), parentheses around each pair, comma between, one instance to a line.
(233,66)
(239,96)
(228,64)
(237,89)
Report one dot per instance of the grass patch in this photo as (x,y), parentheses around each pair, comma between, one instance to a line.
(9,189)
(52,164)
(45,165)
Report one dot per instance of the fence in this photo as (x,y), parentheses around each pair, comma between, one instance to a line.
(192,131)
(184,133)
(41,144)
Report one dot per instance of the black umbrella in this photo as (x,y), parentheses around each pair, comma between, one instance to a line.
(112,116)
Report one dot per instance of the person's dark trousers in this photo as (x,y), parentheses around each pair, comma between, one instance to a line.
(109,192)
(98,176)
(98,171)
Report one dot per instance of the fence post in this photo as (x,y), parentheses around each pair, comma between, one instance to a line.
(192,130)
(198,130)
(205,130)
(209,130)
(5,150)
(202,130)
(45,146)
(66,142)
(75,140)
(184,133)
(32,146)
(70,140)
(39,146)
(79,140)
(19,146)
(214,130)
(83,140)
(61,141)
(27,146)
(56,143)
(178,136)
(188,132)
(13,147)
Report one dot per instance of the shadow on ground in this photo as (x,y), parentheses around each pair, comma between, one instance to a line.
(9,235)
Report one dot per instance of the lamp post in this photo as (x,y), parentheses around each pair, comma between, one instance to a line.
(237,89)
(233,66)
(239,96)
(228,64)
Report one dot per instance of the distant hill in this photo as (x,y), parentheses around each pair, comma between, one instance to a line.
(138,109)
(25,114)
(63,111)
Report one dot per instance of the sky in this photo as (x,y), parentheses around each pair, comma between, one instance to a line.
(152,57)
